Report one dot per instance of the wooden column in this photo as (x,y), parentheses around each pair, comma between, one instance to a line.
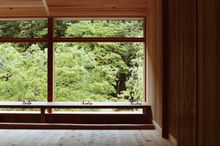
(145,60)
(165,101)
(180,70)
(50,68)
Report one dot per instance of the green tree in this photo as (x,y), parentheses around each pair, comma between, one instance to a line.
(22,74)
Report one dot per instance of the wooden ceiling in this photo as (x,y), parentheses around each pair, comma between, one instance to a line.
(68,8)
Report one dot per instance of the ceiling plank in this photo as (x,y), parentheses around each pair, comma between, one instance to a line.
(74,8)
(20,3)
(23,12)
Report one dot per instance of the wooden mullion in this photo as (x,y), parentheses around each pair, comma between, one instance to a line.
(98,39)
(50,72)
(145,59)
(34,40)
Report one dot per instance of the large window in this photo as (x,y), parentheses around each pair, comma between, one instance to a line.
(100,72)
(72,60)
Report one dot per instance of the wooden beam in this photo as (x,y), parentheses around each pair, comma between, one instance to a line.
(34,40)
(46,7)
(98,39)
(78,117)
(76,126)
(70,105)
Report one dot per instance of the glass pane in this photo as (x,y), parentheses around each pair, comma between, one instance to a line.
(23,72)
(99,28)
(23,28)
(99,72)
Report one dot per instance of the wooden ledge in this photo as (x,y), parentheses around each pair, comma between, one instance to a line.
(73,105)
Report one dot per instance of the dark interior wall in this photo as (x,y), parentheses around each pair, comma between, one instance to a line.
(181,58)
(181,68)
(154,59)
(193,67)
(193,79)
(208,65)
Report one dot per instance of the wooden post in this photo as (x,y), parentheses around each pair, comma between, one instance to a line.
(165,118)
(42,115)
(145,60)
(50,84)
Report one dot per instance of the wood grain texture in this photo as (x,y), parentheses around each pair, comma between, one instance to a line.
(77,118)
(105,118)
(182,49)
(22,12)
(21,3)
(81,138)
(70,8)
(66,126)
(154,59)
(208,65)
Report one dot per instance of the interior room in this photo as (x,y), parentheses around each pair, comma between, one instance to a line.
(109,72)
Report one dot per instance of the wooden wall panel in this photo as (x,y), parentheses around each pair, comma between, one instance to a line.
(154,59)
(193,81)
(209,83)
(182,47)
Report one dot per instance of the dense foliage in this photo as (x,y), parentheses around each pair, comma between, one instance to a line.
(83,71)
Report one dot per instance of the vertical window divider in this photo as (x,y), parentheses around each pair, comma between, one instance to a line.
(145,59)
(50,66)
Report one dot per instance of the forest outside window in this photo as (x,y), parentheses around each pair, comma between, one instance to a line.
(99,28)
(96,60)
(23,28)
(99,72)
(23,72)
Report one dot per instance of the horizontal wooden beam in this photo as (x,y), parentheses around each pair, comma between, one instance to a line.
(94,117)
(76,126)
(72,40)
(23,39)
(128,13)
(98,39)
(74,105)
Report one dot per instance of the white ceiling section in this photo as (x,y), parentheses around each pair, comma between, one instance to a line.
(68,8)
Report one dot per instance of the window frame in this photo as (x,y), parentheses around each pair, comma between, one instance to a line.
(50,40)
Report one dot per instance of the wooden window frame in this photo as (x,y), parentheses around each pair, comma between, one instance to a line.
(50,40)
